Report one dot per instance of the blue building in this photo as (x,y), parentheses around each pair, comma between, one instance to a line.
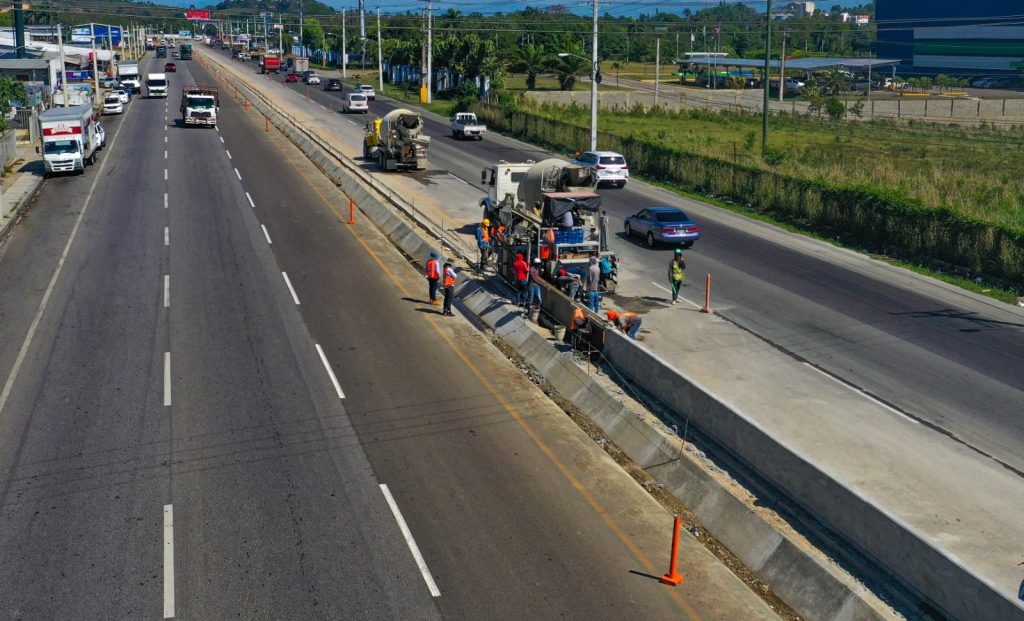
(980,37)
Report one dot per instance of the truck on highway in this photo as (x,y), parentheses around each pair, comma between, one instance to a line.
(161,51)
(186,51)
(549,210)
(128,75)
(69,139)
(199,106)
(270,64)
(156,85)
(397,141)
(465,125)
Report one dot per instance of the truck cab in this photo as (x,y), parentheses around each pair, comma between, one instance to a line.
(156,85)
(161,51)
(199,106)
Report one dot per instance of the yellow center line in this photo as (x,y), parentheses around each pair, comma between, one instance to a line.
(512,410)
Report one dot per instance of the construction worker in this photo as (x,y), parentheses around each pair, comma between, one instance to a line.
(627,322)
(483,242)
(448,286)
(521,274)
(577,323)
(677,273)
(433,276)
(594,286)
(535,288)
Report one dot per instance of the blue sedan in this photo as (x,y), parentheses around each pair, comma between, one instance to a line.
(667,225)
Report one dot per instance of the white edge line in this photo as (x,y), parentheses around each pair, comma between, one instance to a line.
(238,174)
(167,290)
(669,291)
(860,392)
(229,154)
(459,179)
(221,138)
(265,233)
(251,204)
(330,371)
(288,282)
(415,549)
(167,378)
(168,561)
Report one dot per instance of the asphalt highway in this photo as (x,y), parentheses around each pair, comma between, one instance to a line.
(221,402)
(947,358)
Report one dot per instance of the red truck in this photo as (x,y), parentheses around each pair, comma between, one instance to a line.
(270,64)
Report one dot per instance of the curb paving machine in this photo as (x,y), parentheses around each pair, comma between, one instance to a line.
(397,141)
(550,210)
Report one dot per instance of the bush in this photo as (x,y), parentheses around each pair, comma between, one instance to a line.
(835,108)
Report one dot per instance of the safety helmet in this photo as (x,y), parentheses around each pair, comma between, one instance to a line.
(612,315)
(679,251)
(486,222)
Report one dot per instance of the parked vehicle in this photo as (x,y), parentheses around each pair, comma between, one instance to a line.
(156,85)
(894,85)
(668,225)
(367,90)
(992,83)
(112,105)
(121,94)
(465,125)
(69,139)
(397,141)
(356,102)
(199,106)
(108,82)
(291,77)
(611,167)
(101,134)
(170,68)
(332,84)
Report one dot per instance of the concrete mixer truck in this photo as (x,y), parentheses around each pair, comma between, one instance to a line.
(397,141)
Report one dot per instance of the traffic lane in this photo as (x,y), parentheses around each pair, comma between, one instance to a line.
(472,485)
(83,472)
(276,505)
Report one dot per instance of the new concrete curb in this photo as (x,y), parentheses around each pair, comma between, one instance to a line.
(14,214)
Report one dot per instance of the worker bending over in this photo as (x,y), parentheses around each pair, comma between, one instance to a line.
(627,322)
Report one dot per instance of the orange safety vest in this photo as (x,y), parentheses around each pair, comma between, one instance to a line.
(485,235)
(628,317)
(448,281)
(432,269)
(578,319)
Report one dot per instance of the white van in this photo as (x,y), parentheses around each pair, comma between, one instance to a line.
(356,102)
(156,85)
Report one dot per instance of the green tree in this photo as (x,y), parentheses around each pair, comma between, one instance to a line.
(835,108)
(530,58)
(570,67)
(835,82)
(312,33)
(11,92)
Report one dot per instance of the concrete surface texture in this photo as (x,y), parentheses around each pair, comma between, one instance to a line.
(208,384)
(853,401)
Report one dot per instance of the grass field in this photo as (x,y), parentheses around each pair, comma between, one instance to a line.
(978,172)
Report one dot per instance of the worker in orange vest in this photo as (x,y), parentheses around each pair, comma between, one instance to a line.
(627,322)
(577,322)
(483,242)
(433,277)
(448,285)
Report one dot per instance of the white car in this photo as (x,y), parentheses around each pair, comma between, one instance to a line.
(113,105)
(367,90)
(312,79)
(101,134)
(121,94)
(611,167)
(356,102)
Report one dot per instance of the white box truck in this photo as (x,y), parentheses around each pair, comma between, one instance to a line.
(156,85)
(128,75)
(69,139)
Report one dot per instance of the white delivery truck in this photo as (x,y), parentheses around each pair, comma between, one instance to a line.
(156,85)
(128,75)
(199,105)
(69,139)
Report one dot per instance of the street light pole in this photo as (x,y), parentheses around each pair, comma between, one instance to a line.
(767,66)
(593,83)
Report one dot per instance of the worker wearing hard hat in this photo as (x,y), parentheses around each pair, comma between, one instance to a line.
(627,322)
(483,242)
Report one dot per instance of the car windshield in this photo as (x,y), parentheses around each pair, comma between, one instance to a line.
(58,147)
(156,82)
(670,216)
(112,100)
(356,98)
(199,102)
(365,87)
(613,159)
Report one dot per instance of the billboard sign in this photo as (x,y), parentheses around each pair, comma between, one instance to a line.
(86,33)
(197,14)
(187,34)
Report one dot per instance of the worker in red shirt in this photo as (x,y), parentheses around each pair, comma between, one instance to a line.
(521,273)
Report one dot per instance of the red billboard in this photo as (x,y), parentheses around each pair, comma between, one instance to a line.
(197,14)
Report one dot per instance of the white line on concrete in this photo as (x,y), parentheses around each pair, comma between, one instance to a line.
(167,378)
(330,371)
(323,107)
(859,392)
(167,236)
(415,549)
(251,204)
(165,154)
(221,139)
(167,290)
(290,287)
(165,174)
(216,128)
(352,122)
(669,291)
(265,233)
(460,180)
(168,561)
(165,200)
(229,154)
(165,139)
(238,174)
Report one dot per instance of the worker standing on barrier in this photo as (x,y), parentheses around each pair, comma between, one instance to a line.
(448,286)
(534,289)
(521,273)
(594,286)
(433,275)
(627,322)
(483,242)
(677,273)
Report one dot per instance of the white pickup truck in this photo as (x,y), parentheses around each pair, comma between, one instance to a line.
(465,125)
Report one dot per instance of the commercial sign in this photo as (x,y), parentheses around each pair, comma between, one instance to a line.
(185,33)
(78,75)
(197,14)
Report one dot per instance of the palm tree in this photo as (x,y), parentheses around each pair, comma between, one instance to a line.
(571,66)
(836,82)
(618,66)
(530,58)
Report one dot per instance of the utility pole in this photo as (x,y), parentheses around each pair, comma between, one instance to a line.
(767,67)
(344,49)
(362,30)
(19,29)
(657,69)
(782,68)
(593,82)
(430,51)
(63,68)
(302,42)
(380,57)
(95,66)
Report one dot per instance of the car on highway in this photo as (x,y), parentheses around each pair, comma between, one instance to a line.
(660,224)
(305,74)
(112,104)
(332,84)
(101,135)
(121,94)
(611,167)
(170,67)
(291,77)
(109,82)
(312,79)
(356,102)
(175,54)
(367,90)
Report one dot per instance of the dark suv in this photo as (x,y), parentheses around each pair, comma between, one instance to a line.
(332,84)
